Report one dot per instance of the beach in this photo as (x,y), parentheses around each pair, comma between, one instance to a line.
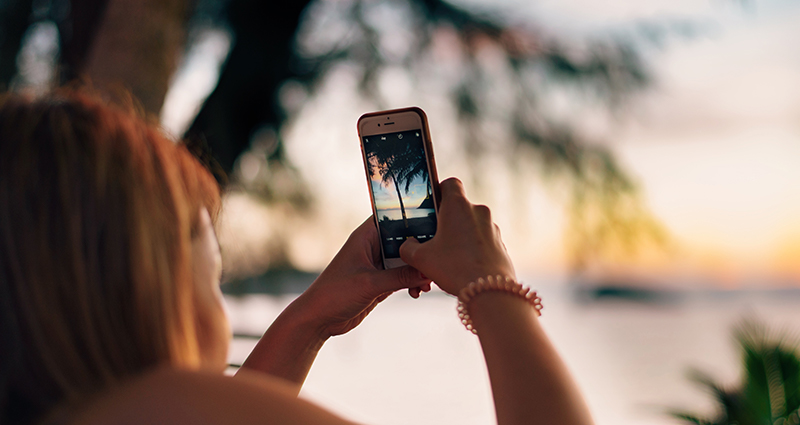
(411,361)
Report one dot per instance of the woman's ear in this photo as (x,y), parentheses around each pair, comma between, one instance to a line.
(213,330)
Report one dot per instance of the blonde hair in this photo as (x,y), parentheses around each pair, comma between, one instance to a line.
(97,210)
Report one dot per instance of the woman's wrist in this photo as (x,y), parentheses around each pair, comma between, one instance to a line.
(288,348)
(494,312)
(303,320)
(494,284)
(468,276)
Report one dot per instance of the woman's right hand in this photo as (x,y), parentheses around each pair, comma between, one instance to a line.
(467,244)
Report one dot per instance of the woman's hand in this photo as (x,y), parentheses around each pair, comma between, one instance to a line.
(355,282)
(467,244)
(341,297)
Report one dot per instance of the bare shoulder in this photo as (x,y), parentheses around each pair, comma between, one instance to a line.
(169,396)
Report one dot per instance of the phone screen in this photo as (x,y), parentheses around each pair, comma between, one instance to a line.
(401,188)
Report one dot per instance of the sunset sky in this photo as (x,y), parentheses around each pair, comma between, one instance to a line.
(386,195)
(713,144)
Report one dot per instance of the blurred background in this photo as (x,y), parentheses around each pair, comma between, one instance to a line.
(640,158)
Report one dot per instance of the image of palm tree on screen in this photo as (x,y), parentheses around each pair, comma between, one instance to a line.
(397,164)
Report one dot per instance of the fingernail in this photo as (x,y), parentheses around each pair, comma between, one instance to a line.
(422,276)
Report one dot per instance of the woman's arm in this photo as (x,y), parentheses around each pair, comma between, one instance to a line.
(530,383)
(288,348)
(339,299)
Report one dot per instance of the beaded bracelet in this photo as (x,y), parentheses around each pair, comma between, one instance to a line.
(494,283)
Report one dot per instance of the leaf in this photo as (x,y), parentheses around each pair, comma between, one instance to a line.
(728,400)
(769,393)
(688,417)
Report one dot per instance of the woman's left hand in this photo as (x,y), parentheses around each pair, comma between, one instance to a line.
(355,282)
(341,297)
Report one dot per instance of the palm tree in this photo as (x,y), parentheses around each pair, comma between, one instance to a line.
(416,167)
(770,393)
(398,164)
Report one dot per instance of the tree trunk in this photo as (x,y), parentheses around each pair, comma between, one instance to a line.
(400,197)
(77,33)
(262,58)
(136,48)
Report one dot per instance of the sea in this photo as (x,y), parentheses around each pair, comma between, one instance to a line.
(397,214)
(411,361)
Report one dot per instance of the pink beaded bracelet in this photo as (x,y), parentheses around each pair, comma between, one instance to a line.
(494,283)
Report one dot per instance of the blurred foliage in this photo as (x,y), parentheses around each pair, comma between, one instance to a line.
(770,390)
(496,73)
(501,74)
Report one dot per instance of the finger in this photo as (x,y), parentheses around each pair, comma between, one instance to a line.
(369,222)
(416,292)
(370,234)
(452,187)
(398,278)
(364,230)
(497,232)
(483,212)
(409,252)
(363,243)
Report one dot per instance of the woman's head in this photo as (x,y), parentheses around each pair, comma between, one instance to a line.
(98,214)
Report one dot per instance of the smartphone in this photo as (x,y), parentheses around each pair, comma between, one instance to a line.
(401,175)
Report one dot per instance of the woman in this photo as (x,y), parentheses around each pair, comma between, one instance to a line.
(110,309)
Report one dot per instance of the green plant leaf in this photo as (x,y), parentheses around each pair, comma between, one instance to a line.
(769,393)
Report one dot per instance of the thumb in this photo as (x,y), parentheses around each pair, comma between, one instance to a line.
(400,278)
(409,251)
